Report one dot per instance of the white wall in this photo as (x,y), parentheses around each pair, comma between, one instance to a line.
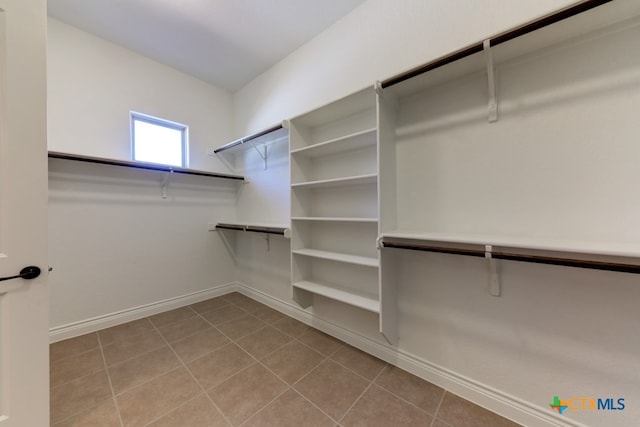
(265,199)
(94,84)
(115,243)
(555,331)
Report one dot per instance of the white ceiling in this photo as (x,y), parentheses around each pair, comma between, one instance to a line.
(225,42)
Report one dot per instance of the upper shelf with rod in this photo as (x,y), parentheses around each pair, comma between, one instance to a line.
(259,141)
(166,170)
(266,229)
(142,165)
(585,17)
(253,228)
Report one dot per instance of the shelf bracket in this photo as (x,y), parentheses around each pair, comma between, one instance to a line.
(494,276)
(263,154)
(165,185)
(493,103)
(377,86)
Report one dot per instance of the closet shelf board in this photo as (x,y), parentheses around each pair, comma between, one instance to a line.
(366,138)
(340,257)
(253,227)
(511,45)
(338,182)
(337,293)
(334,219)
(269,136)
(531,243)
(141,165)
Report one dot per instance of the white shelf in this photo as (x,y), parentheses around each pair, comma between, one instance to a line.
(366,138)
(266,137)
(333,219)
(141,165)
(338,182)
(340,257)
(564,31)
(337,293)
(552,245)
(266,228)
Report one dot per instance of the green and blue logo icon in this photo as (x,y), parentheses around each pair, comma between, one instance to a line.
(558,405)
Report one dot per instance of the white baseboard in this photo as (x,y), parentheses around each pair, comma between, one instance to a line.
(94,324)
(518,410)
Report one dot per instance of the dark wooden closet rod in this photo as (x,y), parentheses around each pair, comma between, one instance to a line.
(496,40)
(140,165)
(247,139)
(252,228)
(567,262)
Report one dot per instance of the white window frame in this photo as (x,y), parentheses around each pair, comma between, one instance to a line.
(184,129)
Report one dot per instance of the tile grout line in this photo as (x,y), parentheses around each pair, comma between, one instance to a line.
(134,357)
(256,360)
(294,338)
(289,386)
(79,378)
(407,401)
(194,379)
(178,407)
(314,405)
(265,406)
(435,413)
(326,358)
(75,379)
(106,369)
(356,373)
(153,328)
(371,383)
(178,321)
(73,355)
(233,340)
(137,334)
(259,362)
(292,386)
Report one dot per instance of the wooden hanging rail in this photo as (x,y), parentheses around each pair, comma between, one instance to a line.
(141,165)
(247,139)
(282,231)
(496,40)
(539,259)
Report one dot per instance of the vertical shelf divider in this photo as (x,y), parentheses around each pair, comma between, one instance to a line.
(386,122)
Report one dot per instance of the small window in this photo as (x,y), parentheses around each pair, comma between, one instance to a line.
(158,141)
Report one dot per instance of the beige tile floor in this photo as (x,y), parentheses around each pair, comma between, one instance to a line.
(231,361)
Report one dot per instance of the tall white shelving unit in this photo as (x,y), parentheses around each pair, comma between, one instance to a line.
(526,143)
(334,203)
